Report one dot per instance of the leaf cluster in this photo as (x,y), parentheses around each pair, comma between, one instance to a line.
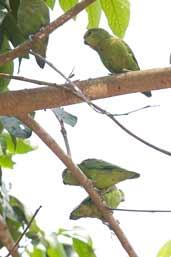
(117,13)
(16,27)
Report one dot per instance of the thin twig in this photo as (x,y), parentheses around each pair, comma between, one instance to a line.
(140,210)
(65,137)
(33,81)
(138,138)
(70,85)
(136,110)
(24,232)
(64,134)
(77,91)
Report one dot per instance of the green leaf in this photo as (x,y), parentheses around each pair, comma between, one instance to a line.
(2,16)
(14,228)
(6,208)
(11,145)
(50,3)
(12,30)
(76,232)
(1,127)
(14,142)
(15,127)
(18,209)
(4,5)
(6,68)
(0,176)
(66,117)
(55,248)
(94,14)
(117,13)
(37,252)
(68,250)
(14,4)
(6,161)
(83,249)
(66,5)
(23,146)
(17,145)
(35,239)
(3,144)
(165,251)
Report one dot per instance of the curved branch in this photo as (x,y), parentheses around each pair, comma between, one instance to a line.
(43,33)
(138,138)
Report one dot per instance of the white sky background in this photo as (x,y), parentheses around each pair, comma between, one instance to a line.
(36,178)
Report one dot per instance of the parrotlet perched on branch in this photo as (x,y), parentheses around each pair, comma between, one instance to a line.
(115,54)
(87,208)
(32,16)
(103,174)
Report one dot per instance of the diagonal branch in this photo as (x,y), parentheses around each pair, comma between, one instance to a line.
(56,149)
(43,33)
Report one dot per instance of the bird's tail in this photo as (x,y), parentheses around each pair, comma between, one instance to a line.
(148,94)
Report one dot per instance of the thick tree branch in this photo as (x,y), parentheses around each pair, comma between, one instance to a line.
(15,102)
(6,238)
(56,149)
(74,88)
(24,47)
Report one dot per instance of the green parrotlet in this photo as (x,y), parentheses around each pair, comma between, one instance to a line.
(86,208)
(115,54)
(32,16)
(103,174)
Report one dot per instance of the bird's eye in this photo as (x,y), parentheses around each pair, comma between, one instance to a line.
(89,33)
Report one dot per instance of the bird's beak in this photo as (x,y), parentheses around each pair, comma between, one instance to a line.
(85,42)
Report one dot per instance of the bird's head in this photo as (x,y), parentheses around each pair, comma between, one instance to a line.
(68,178)
(95,36)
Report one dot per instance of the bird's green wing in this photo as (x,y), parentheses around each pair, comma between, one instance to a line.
(86,208)
(130,52)
(32,16)
(148,93)
(102,174)
(97,164)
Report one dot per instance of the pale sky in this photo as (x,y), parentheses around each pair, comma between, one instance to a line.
(36,178)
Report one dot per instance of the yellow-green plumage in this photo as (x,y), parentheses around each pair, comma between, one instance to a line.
(6,68)
(86,208)
(32,16)
(115,54)
(103,174)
